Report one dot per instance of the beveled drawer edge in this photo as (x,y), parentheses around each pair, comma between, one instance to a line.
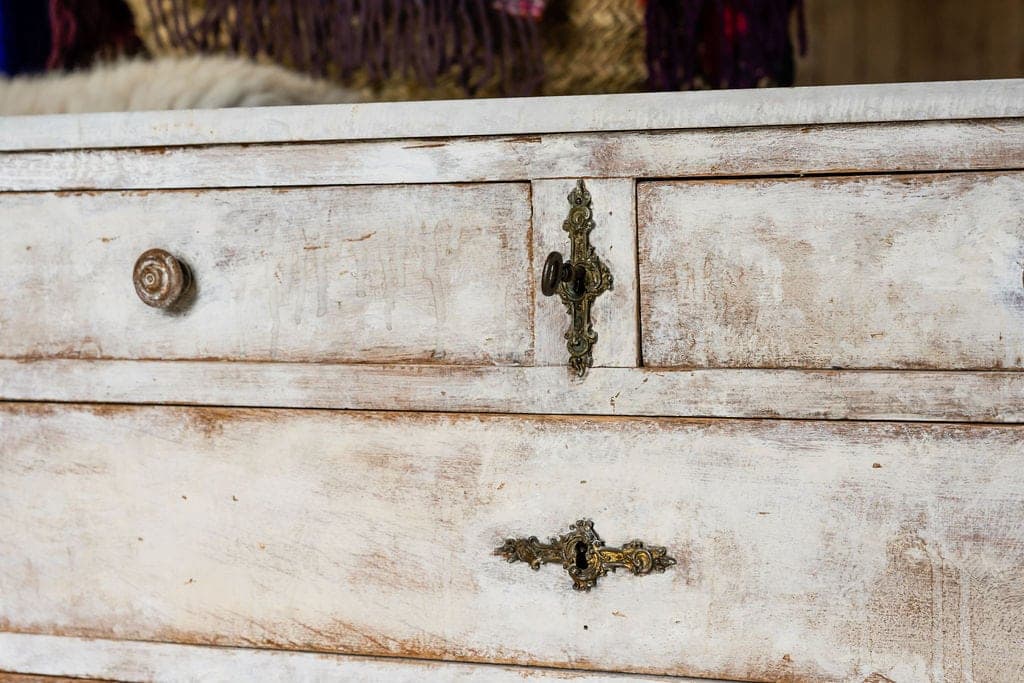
(918,395)
(911,146)
(49,655)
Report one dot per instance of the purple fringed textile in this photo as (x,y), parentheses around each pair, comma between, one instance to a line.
(534,9)
(721,43)
(481,43)
(86,30)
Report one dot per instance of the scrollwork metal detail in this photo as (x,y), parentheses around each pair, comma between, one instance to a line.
(579,281)
(584,556)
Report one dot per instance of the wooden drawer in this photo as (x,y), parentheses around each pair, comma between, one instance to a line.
(426,274)
(907,271)
(806,550)
(129,660)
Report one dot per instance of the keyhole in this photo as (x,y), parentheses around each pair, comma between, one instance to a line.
(581,556)
(579,282)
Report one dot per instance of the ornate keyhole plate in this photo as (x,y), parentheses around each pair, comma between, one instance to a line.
(584,556)
(579,281)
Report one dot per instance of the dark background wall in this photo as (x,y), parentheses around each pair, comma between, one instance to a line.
(871,41)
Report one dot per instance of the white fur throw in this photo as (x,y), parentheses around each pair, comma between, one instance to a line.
(166,83)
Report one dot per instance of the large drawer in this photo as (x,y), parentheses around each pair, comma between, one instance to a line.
(429,273)
(806,550)
(895,272)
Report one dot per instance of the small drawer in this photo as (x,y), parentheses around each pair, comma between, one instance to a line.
(417,273)
(847,272)
(803,550)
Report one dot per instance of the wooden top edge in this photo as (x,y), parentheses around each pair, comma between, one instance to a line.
(588,113)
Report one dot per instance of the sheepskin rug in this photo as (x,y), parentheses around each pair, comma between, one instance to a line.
(199,82)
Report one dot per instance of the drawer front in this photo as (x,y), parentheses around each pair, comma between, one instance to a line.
(847,272)
(437,274)
(805,550)
(127,660)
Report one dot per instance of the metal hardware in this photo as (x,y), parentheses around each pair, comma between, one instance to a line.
(582,554)
(579,281)
(556,272)
(160,279)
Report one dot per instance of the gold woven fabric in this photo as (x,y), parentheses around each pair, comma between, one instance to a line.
(153,36)
(590,46)
(594,46)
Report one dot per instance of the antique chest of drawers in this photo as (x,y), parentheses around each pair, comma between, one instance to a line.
(305,393)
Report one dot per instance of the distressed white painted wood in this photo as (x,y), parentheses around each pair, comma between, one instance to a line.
(775,106)
(923,146)
(864,272)
(417,273)
(827,394)
(614,313)
(143,661)
(807,550)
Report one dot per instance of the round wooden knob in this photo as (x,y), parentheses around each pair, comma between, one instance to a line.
(160,279)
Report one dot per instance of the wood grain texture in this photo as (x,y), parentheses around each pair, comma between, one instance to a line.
(797,394)
(614,239)
(437,274)
(867,272)
(924,146)
(807,550)
(521,116)
(156,662)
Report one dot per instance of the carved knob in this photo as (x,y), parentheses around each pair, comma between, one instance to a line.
(160,279)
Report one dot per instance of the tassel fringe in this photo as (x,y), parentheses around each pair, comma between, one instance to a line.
(415,39)
(721,43)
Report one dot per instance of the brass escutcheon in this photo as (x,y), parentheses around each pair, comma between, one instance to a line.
(583,554)
(578,281)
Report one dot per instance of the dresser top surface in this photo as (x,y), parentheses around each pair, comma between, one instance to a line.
(521,116)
